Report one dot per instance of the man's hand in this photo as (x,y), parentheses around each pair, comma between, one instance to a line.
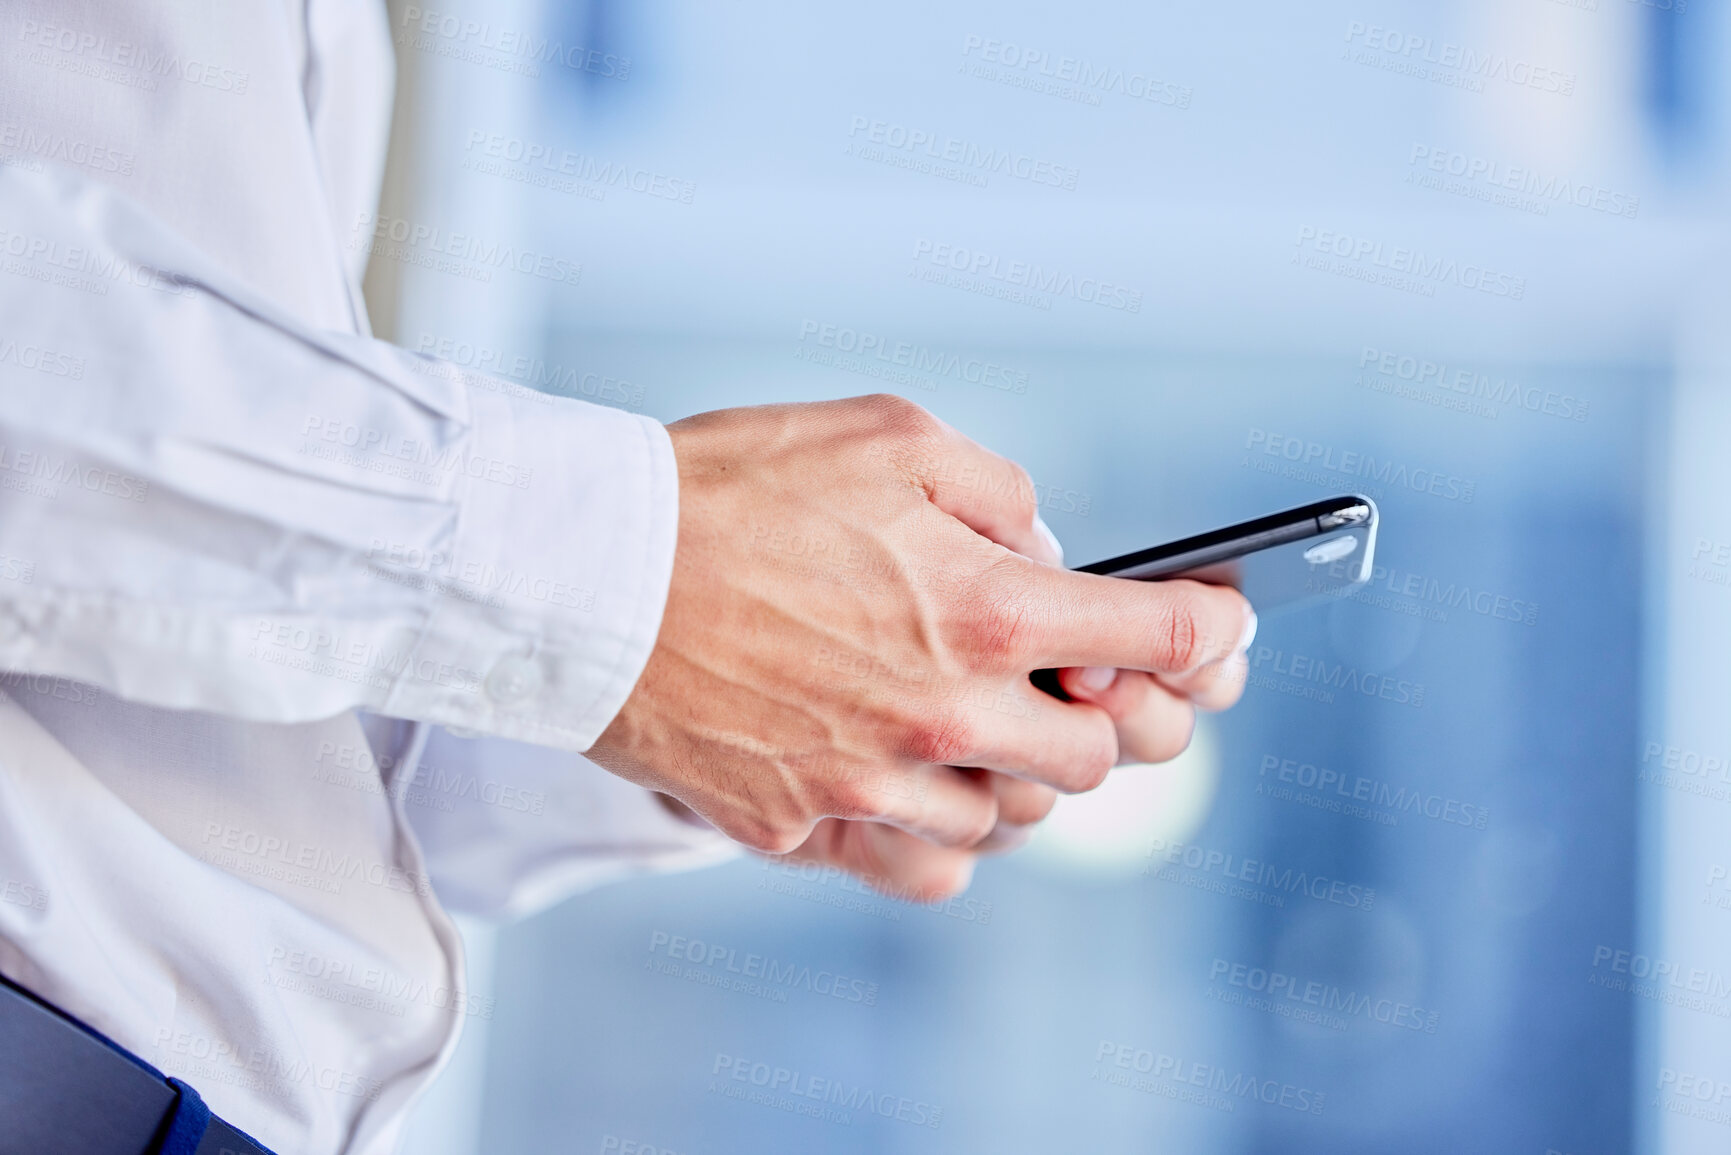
(849,632)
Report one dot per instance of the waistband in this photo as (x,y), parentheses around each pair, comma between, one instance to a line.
(65,1088)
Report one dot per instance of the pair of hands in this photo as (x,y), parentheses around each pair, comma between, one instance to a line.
(859,595)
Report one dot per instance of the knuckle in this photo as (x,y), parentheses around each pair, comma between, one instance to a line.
(850,798)
(1089,771)
(1042,806)
(1026,806)
(946,739)
(1167,742)
(1181,641)
(900,416)
(1023,496)
(998,627)
(1090,765)
(771,836)
(976,827)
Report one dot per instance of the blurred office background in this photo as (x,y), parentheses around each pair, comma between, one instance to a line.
(1482,244)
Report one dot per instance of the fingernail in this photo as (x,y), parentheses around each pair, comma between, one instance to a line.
(1248,636)
(1050,538)
(1097,678)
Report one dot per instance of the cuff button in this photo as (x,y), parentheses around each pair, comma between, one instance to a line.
(514,679)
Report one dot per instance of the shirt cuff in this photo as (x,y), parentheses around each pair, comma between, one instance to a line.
(548,599)
(509,829)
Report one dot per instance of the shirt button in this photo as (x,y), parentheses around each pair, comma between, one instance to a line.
(513,679)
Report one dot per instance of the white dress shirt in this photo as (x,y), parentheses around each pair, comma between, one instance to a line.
(240,539)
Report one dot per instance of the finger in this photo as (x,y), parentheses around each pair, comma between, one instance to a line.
(1021,804)
(1079,619)
(893,862)
(1216,686)
(1206,685)
(1153,723)
(991,495)
(1022,732)
(1003,839)
(940,804)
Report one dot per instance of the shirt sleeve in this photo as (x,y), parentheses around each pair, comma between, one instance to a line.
(205,505)
(508,829)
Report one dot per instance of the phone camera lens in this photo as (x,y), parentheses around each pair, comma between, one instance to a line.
(1331,550)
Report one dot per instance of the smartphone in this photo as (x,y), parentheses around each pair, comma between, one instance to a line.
(1279,562)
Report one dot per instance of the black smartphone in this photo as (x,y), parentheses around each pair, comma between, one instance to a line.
(1279,562)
